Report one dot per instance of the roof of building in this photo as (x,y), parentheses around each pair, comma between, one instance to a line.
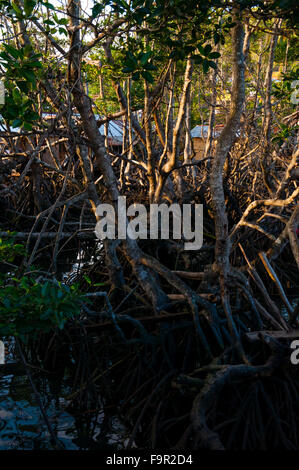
(115,128)
(201,131)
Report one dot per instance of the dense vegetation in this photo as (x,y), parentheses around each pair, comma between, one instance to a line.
(192,347)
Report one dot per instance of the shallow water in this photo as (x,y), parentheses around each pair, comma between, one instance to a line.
(21,423)
(22,426)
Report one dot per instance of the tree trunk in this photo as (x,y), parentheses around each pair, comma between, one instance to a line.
(224,144)
(83,104)
(268,86)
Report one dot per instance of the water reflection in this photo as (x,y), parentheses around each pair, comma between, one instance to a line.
(22,426)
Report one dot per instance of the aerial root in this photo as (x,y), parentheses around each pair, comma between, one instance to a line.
(210,392)
(193,299)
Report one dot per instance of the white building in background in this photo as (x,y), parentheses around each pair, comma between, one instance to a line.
(58,151)
(199,136)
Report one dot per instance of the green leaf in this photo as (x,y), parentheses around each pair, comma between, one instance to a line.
(205,66)
(136,76)
(207,49)
(212,64)
(128,69)
(97,9)
(16,8)
(63,31)
(214,55)
(5,56)
(130,61)
(29,6)
(12,51)
(145,57)
(29,76)
(27,50)
(200,49)
(22,84)
(49,22)
(17,123)
(63,21)
(147,76)
(27,126)
(87,279)
(16,95)
(48,5)
(216,38)
(35,64)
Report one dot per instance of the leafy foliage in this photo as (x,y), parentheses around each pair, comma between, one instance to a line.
(283,89)
(28,307)
(22,67)
(139,65)
(284,133)
(9,250)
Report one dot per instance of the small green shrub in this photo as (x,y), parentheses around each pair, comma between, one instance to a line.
(28,307)
(9,250)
